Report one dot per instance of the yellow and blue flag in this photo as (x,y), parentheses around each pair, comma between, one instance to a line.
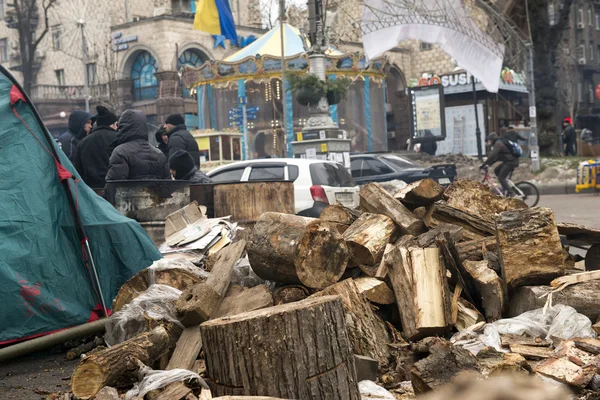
(215,17)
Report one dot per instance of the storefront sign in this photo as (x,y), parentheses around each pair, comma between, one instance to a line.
(120,42)
(507,76)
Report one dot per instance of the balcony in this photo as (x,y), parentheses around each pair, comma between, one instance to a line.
(56,92)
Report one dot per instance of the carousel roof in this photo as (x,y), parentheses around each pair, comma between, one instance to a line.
(270,44)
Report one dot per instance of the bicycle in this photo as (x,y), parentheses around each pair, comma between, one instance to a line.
(526,191)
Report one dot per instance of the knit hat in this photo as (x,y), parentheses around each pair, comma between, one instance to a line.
(105,117)
(492,137)
(568,120)
(182,162)
(175,119)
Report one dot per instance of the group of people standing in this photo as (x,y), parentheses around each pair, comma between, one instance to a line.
(105,148)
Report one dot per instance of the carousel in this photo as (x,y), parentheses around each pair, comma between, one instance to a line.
(254,74)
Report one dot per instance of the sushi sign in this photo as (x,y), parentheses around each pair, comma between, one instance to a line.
(508,76)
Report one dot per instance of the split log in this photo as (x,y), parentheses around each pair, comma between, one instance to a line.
(565,371)
(198,303)
(489,288)
(583,297)
(418,278)
(246,398)
(289,294)
(428,239)
(474,250)
(467,315)
(187,349)
(239,299)
(315,361)
(530,247)
(579,233)
(173,391)
(367,237)
(442,212)
(510,340)
(297,250)
(494,363)
(375,199)
(420,193)
(375,290)
(575,278)
(532,352)
(367,332)
(339,214)
(456,268)
(476,198)
(116,364)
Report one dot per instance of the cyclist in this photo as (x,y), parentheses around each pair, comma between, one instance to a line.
(509,161)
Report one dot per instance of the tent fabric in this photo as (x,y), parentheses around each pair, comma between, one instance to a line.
(459,37)
(44,284)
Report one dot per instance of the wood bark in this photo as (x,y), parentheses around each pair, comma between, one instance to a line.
(297,250)
(474,250)
(187,349)
(239,299)
(530,247)
(375,199)
(429,238)
(418,278)
(198,303)
(290,294)
(339,214)
(367,332)
(375,290)
(445,213)
(367,237)
(476,198)
(118,363)
(489,288)
(246,353)
(421,193)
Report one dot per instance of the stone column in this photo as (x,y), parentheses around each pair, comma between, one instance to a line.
(170,97)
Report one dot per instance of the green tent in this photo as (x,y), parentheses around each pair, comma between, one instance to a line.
(47,279)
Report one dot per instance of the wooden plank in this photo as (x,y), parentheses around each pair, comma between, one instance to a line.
(187,349)
(575,278)
(508,340)
(532,352)
(239,299)
(563,370)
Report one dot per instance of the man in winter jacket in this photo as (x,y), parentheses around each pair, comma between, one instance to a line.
(163,140)
(93,150)
(509,161)
(569,137)
(134,157)
(183,168)
(180,138)
(80,125)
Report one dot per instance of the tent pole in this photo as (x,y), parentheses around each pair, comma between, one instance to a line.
(89,251)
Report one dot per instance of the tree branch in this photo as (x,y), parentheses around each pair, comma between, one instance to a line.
(563,20)
(46,6)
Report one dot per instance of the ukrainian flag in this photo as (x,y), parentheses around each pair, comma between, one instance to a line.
(215,17)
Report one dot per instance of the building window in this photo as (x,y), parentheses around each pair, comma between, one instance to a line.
(581,51)
(193,58)
(590,21)
(426,46)
(551,14)
(592,51)
(598,22)
(580,21)
(143,74)
(3,50)
(92,74)
(56,33)
(60,77)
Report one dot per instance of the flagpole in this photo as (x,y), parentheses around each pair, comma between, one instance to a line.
(282,91)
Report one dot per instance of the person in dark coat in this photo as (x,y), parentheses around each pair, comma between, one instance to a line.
(180,138)
(163,140)
(569,137)
(501,152)
(513,135)
(429,146)
(134,157)
(93,150)
(183,168)
(80,125)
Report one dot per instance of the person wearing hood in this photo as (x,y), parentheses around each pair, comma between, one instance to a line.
(569,137)
(180,138)
(92,156)
(134,157)
(163,140)
(80,125)
(508,161)
(183,168)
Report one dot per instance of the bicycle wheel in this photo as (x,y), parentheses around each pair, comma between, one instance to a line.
(531,194)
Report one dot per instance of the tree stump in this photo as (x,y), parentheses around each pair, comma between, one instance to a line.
(367,237)
(292,351)
(297,250)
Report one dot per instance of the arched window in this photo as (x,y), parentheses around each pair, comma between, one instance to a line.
(143,74)
(193,58)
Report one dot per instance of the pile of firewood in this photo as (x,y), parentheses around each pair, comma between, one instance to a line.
(372,293)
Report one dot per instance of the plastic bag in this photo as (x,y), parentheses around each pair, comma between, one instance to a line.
(243,274)
(179,263)
(156,379)
(370,390)
(157,303)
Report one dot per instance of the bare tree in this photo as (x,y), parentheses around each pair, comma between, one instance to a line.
(111,74)
(568,92)
(25,18)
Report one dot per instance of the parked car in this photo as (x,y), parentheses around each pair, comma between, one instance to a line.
(368,168)
(317,183)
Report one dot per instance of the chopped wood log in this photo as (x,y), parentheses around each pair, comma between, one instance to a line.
(467,315)
(106,393)
(494,363)
(565,371)
(339,214)
(474,250)
(532,352)
(239,300)
(187,349)
(289,294)
(476,198)
(420,193)
(112,366)
(297,250)
(315,361)
(367,237)
(575,278)
(510,340)
(530,247)
(591,346)
(418,278)
(489,288)
(428,239)
(173,391)
(246,398)
(579,233)
(444,363)
(444,213)
(583,297)
(596,327)
(199,303)
(375,290)
(375,199)
(84,348)
(456,268)
(367,332)
(420,212)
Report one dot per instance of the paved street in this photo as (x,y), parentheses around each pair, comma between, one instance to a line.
(581,209)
